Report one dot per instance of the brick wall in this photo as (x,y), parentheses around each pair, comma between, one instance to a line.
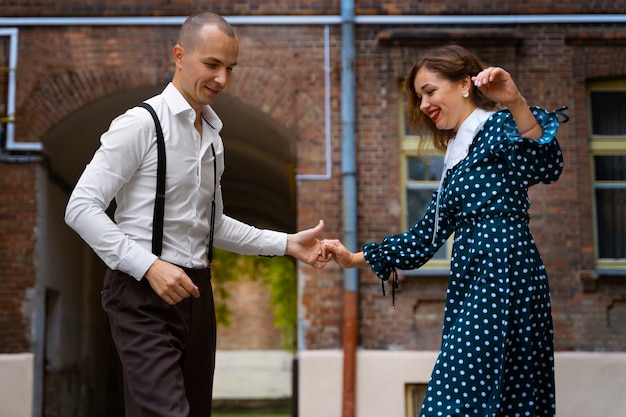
(551,64)
(41,8)
(281,73)
(18,212)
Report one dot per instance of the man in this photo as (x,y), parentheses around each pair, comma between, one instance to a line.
(160,305)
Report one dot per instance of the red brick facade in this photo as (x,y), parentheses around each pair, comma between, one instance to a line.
(18,215)
(281,73)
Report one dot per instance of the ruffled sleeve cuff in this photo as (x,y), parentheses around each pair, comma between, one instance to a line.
(548,120)
(533,161)
(375,256)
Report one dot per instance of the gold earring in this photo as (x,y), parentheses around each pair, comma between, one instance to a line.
(465,94)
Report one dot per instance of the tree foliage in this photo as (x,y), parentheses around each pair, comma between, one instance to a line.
(279,276)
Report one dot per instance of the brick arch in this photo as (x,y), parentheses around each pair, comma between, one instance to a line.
(70,112)
(278,96)
(273,94)
(54,98)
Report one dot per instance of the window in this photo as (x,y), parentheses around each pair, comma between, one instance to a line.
(420,175)
(414,397)
(607,104)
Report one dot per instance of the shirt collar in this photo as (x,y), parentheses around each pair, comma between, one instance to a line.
(177,104)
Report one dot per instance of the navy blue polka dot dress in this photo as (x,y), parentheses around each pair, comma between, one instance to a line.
(496,355)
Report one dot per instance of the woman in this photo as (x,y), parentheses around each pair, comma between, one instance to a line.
(496,355)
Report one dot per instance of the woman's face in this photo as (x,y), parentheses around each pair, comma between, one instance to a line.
(442,100)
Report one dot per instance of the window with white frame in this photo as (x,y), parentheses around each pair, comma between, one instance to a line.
(607,109)
(420,175)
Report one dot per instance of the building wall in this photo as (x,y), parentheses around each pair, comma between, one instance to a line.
(281,71)
(18,214)
(587,383)
(16,397)
(551,64)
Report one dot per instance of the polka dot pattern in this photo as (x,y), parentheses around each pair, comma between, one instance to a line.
(496,354)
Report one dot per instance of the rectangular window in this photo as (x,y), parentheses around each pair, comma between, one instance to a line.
(607,104)
(607,109)
(421,181)
(414,397)
(420,175)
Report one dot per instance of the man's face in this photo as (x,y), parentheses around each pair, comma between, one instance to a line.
(204,71)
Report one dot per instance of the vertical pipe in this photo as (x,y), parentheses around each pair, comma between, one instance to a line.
(348,172)
(11,94)
(350,332)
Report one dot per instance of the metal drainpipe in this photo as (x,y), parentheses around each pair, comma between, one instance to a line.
(348,172)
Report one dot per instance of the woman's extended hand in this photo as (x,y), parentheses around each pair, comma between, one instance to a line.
(341,254)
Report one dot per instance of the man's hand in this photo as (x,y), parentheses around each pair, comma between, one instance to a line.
(305,246)
(170,282)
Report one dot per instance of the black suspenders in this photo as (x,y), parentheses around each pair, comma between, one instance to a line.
(159,199)
(210,248)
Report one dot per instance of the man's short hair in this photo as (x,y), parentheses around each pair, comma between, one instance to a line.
(190,30)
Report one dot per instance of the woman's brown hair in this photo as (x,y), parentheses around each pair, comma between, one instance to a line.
(454,63)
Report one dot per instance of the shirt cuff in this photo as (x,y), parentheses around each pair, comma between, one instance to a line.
(275,243)
(137,262)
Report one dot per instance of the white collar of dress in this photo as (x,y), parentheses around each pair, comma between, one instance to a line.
(458,147)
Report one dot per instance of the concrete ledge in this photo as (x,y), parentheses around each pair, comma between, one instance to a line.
(16,385)
(590,384)
(252,374)
(587,383)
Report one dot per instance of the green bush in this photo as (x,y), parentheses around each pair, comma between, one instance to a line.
(277,273)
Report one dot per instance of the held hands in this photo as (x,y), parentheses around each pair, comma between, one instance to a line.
(170,282)
(305,246)
(334,249)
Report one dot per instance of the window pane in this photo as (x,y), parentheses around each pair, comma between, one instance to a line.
(611,219)
(607,112)
(610,168)
(424,168)
(407,129)
(417,202)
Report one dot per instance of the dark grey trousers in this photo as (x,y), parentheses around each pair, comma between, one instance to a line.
(167,352)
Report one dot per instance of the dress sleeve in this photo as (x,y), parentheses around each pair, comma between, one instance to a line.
(532,161)
(411,249)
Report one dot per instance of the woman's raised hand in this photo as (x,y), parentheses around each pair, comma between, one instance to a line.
(497,84)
